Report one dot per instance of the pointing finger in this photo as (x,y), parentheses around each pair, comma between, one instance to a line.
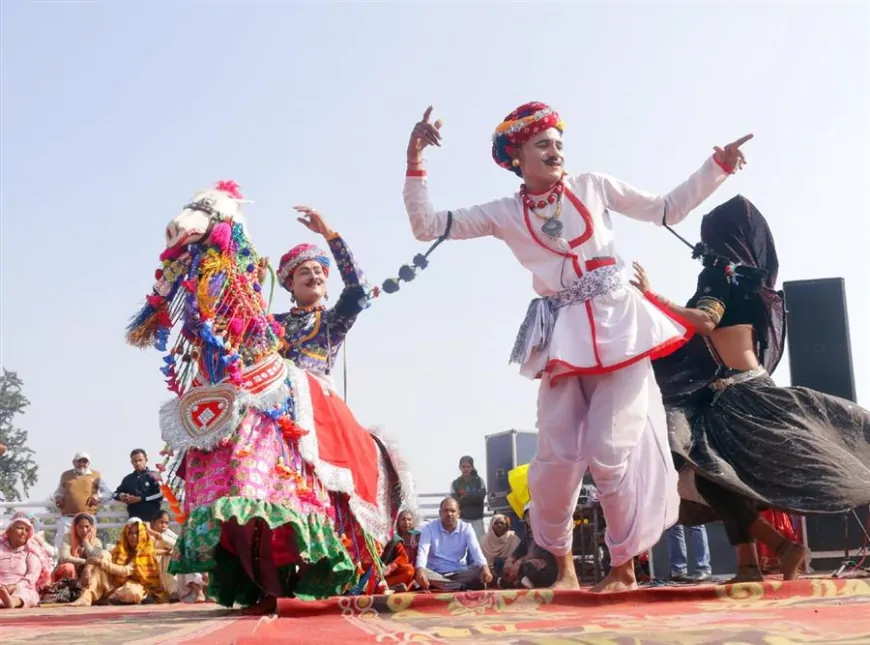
(427,114)
(741,141)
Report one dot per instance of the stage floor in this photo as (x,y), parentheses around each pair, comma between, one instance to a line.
(803,612)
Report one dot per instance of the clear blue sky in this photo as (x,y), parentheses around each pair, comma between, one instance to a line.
(114,113)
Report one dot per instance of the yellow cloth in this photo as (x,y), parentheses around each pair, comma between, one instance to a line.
(518,480)
(142,563)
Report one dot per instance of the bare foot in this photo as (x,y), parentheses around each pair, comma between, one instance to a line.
(85,600)
(619,579)
(5,598)
(746,573)
(265,607)
(568,581)
(791,559)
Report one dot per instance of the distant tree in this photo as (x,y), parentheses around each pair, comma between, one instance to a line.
(17,467)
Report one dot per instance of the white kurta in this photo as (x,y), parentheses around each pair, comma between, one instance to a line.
(611,331)
(609,418)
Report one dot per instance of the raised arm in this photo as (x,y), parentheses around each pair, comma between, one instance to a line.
(350,272)
(676,205)
(427,223)
(705,309)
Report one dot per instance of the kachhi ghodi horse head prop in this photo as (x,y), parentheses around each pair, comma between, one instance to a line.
(208,291)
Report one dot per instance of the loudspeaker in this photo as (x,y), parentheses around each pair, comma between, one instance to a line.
(820,358)
(819,349)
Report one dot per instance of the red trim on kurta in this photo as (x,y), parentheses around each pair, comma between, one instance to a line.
(577,241)
(597,263)
(415,173)
(724,167)
(659,351)
(585,214)
(593,333)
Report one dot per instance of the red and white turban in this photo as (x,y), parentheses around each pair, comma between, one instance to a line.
(518,127)
(300,253)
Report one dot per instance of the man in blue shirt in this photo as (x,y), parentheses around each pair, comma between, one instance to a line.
(449,556)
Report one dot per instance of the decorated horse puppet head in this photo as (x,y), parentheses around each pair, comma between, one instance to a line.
(207,293)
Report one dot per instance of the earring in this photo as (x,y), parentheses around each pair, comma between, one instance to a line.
(515,163)
(292,296)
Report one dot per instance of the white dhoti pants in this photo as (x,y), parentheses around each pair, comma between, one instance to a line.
(614,424)
(64,523)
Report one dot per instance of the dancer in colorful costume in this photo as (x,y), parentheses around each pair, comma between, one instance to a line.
(742,443)
(589,337)
(313,336)
(272,475)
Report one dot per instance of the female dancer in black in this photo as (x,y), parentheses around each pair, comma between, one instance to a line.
(750,444)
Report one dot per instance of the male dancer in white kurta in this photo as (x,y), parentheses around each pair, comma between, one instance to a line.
(589,338)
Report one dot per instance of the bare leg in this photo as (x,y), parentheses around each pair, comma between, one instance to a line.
(791,558)
(791,555)
(748,569)
(567,576)
(620,578)
(85,600)
(5,598)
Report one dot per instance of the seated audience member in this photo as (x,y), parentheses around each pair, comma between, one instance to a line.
(79,544)
(529,566)
(24,565)
(186,587)
(449,557)
(396,557)
(406,527)
(499,543)
(129,576)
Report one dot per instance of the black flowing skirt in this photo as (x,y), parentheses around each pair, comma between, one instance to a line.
(786,448)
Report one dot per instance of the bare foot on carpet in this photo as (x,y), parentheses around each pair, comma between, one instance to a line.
(265,607)
(567,581)
(746,573)
(566,577)
(790,561)
(618,580)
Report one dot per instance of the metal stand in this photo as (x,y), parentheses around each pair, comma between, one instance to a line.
(848,563)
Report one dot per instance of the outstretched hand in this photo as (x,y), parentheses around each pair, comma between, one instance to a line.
(641,281)
(313,221)
(731,156)
(424,134)
(262,268)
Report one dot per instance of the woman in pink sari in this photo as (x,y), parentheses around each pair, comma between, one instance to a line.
(24,565)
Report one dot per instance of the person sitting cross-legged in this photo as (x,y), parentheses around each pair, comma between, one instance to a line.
(449,557)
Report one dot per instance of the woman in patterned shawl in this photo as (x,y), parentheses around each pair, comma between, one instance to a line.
(130,575)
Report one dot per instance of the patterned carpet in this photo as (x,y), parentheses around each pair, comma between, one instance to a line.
(805,612)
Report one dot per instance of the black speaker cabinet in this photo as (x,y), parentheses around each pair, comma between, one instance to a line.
(819,349)
(820,357)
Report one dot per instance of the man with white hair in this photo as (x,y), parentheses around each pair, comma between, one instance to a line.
(81,490)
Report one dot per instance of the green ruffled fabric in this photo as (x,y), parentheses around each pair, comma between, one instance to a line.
(328,567)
